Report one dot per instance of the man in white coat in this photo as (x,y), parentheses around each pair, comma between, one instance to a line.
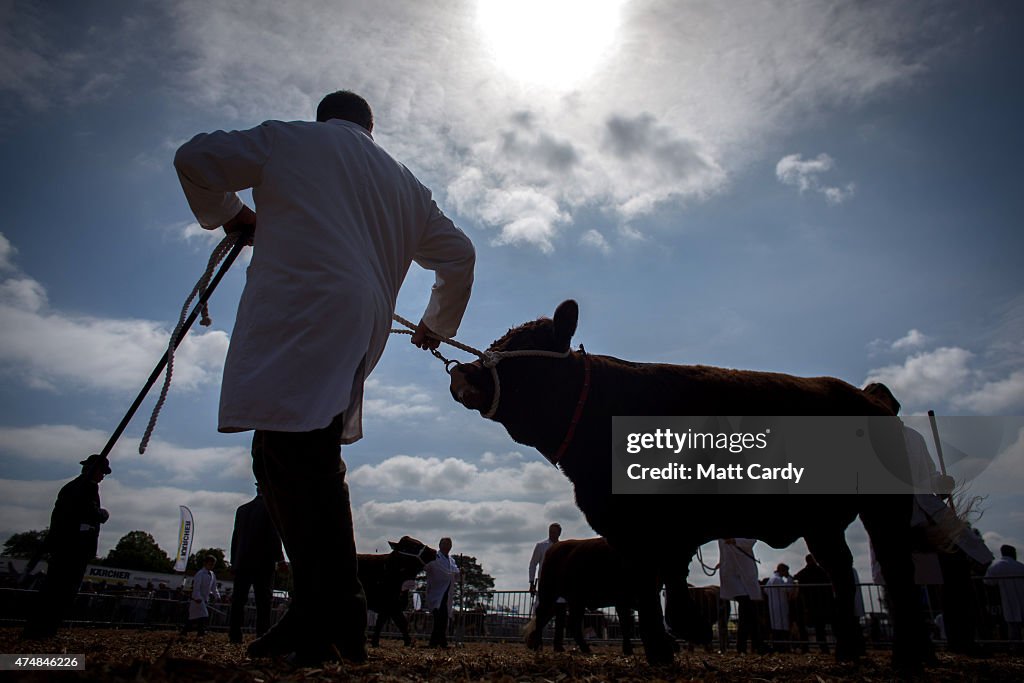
(781,590)
(535,571)
(737,573)
(441,575)
(1008,574)
(204,587)
(339,223)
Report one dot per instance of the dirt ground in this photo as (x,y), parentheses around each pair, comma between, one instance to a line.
(161,656)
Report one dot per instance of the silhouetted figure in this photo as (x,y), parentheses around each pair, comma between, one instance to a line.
(441,575)
(1008,574)
(71,542)
(537,570)
(816,602)
(255,555)
(204,591)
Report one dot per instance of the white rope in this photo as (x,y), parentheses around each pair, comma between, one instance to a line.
(489,359)
(215,258)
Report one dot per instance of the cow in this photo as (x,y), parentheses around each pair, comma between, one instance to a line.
(561,403)
(589,574)
(382,577)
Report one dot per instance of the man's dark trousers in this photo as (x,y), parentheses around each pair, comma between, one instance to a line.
(439,633)
(302,478)
(262,584)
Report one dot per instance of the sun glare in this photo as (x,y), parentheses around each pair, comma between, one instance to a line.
(555,43)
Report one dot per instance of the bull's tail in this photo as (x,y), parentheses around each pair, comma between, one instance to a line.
(528,630)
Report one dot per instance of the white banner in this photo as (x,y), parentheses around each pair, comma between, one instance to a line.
(185,533)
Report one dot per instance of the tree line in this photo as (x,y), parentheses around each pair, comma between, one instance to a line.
(139,551)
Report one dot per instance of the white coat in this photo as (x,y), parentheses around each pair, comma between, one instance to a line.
(737,570)
(441,574)
(339,222)
(204,585)
(1008,574)
(780,590)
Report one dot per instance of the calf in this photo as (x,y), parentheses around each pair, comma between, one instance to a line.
(382,577)
(589,574)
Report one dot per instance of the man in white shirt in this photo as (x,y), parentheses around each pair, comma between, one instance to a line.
(737,573)
(441,575)
(536,569)
(1008,574)
(339,224)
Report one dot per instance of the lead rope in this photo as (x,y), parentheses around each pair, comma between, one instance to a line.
(489,359)
(708,571)
(215,258)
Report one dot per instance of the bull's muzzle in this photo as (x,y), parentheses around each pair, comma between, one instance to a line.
(463,390)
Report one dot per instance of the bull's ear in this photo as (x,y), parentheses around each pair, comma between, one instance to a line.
(566,316)
(394,546)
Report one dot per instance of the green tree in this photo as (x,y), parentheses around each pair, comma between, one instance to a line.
(138,550)
(25,544)
(473,589)
(196,559)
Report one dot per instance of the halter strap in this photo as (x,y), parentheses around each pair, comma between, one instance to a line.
(578,413)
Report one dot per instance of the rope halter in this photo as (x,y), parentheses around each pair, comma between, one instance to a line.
(418,556)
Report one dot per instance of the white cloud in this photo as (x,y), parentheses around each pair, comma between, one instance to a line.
(927,377)
(7,252)
(999,397)
(804,174)
(53,350)
(651,125)
(390,402)
(456,477)
(69,444)
(595,240)
(27,505)
(911,340)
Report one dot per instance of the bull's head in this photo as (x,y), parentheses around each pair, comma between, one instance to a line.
(408,546)
(523,381)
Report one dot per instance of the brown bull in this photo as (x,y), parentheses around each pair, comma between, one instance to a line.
(562,404)
(382,577)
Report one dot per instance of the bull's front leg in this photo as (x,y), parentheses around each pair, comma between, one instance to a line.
(658,646)
(576,611)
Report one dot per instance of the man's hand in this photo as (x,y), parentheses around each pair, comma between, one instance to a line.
(533,589)
(425,338)
(104,516)
(243,219)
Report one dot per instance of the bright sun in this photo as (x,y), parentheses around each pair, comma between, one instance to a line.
(555,43)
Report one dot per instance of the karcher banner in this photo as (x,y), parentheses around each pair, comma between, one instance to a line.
(185,534)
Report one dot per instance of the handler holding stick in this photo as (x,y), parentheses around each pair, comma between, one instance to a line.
(340,222)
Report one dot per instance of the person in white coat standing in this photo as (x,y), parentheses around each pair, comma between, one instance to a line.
(781,590)
(338,223)
(737,573)
(441,575)
(535,571)
(1008,574)
(204,587)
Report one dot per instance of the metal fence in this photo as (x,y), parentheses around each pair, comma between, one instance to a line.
(502,615)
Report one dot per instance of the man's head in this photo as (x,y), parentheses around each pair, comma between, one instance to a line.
(345,105)
(444,545)
(210,561)
(554,532)
(810,560)
(95,467)
(782,569)
(1008,551)
(880,392)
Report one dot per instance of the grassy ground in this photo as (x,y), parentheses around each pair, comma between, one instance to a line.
(157,657)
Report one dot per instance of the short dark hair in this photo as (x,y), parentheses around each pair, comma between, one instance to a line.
(1008,551)
(881,392)
(346,105)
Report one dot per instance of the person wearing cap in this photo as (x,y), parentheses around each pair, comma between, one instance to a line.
(71,542)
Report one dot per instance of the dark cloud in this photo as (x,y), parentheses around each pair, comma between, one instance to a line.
(642,138)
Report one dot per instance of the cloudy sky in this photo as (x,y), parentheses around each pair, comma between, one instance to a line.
(807,187)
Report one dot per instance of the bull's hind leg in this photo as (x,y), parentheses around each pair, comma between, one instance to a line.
(541,617)
(887,520)
(833,554)
(576,610)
